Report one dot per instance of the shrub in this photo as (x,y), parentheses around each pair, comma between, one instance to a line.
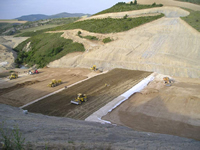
(125,17)
(106,40)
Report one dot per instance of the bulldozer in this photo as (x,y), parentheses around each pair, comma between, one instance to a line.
(13,76)
(79,99)
(54,83)
(167,81)
(93,68)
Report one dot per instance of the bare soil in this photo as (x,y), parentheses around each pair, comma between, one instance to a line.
(27,88)
(118,81)
(160,109)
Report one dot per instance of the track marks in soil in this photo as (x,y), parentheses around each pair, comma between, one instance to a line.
(119,81)
(17,86)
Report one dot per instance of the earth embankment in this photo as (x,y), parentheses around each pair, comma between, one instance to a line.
(100,90)
(162,109)
(160,46)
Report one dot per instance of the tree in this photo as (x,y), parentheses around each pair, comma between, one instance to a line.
(135,2)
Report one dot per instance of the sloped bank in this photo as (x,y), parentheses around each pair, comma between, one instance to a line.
(57,133)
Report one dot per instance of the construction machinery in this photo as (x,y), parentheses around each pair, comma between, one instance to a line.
(54,83)
(168,81)
(13,76)
(36,71)
(30,72)
(93,68)
(79,99)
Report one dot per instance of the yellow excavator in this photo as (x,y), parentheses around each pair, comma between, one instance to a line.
(93,68)
(13,76)
(54,83)
(168,81)
(79,99)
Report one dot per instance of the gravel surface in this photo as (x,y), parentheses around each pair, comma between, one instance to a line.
(58,132)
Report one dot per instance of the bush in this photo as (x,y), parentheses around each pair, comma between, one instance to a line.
(106,40)
(90,37)
(125,17)
(154,4)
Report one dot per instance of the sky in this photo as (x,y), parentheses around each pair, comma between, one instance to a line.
(10,9)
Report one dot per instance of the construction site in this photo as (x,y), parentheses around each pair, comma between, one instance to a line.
(144,86)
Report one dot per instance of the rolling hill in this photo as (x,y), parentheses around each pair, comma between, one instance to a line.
(36,17)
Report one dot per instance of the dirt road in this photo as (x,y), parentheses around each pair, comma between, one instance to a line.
(118,81)
(34,86)
(160,109)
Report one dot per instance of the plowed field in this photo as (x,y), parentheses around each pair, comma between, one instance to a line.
(27,88)
(119,81)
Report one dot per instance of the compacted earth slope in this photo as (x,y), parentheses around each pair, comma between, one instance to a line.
(163,109)
(168,46)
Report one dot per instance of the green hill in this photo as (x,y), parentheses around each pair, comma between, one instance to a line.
(46,47)
(36,17)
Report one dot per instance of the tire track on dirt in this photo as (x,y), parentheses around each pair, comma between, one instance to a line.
(119,80)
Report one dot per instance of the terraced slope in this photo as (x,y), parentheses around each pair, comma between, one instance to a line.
(167,45)
(118,81)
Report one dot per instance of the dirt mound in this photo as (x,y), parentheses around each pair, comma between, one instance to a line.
(17,86)
(161,109)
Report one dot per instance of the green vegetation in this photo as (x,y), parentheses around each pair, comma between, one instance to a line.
(108,25)
(193,19)
(106,40)
(89,37)
(12,140)
(122,6)
(46,47)
(191,1)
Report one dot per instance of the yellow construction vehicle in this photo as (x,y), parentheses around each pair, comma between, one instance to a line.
(79,99)
(54,83)
(13,76)
(167,81)
(93,68)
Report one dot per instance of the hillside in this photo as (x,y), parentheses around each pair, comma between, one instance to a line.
(133,50)
(65,133)
(36,17)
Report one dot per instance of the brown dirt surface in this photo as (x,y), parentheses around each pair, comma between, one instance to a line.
(17,86)
(119,81)
(160,109)
(24,89)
